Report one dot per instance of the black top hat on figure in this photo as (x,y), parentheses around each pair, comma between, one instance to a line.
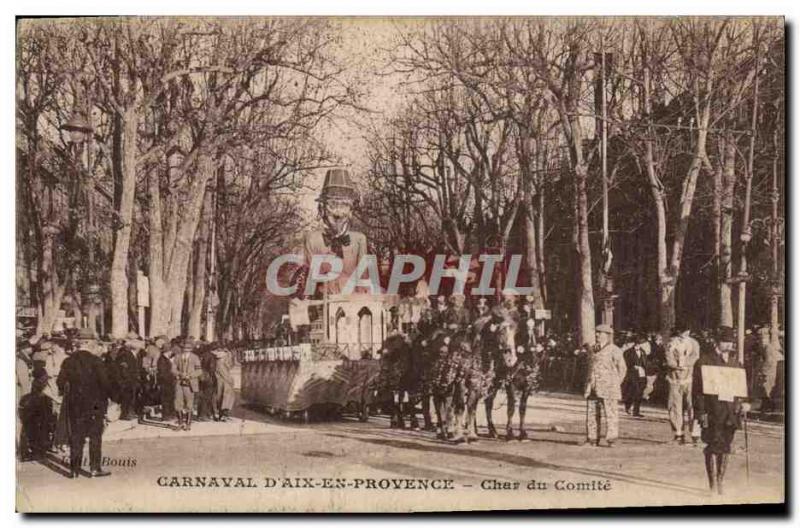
(338,185)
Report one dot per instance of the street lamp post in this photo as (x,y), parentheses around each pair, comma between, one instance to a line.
(80,132)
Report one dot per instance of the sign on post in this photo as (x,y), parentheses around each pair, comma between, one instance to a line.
(724,382)
(142,289)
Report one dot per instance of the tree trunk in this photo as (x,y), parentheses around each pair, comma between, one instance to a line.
(716,216)
(774,317)
(666,282)
(682,227)
(159,316)
(199,276)
(532,257)
(586,310)
(540,246)
(182,251)
(119,263)
(726,233)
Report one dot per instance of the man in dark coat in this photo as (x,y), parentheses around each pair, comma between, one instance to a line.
(36,414)
(24,385)
(84,383)
(718,418)
(166,379)
(123,368)
(636,359)
(206,407)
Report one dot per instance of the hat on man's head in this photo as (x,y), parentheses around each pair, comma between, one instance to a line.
(338,184)
(726,334)
(764,330)
(604,328)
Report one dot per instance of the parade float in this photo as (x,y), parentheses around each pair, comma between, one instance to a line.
(335,369)
(332,360)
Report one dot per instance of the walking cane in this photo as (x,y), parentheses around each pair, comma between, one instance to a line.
(746,447)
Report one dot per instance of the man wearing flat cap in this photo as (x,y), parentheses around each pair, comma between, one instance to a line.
(84,383)
(187,370)
(606,371)
(719,416)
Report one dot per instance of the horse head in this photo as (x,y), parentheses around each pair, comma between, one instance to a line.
(500,334)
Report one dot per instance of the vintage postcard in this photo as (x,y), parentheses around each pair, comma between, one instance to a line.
(399,265)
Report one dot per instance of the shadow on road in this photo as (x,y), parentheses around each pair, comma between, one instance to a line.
(54,464)
(520,460)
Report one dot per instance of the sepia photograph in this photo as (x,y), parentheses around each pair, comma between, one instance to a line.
(395,264)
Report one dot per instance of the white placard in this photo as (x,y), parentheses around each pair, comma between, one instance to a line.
(725,382)
(142,289)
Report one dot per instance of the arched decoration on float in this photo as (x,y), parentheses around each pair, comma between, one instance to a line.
(364,329)
(339,323)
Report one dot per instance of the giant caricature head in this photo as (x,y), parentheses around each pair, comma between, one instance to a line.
(336,200)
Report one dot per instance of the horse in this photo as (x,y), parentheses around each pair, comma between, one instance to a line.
(498,340)
(517,362)
(447,351)
(476,374)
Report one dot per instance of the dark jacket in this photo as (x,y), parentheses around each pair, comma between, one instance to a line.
(721,414)
(127,367)
(165,374)
(208,362)
(635,359)
(84,382)
(639,368)
(459,317)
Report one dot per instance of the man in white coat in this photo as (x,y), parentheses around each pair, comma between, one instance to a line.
(606,371)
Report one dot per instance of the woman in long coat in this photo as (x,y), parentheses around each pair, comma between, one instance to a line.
(224,395)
